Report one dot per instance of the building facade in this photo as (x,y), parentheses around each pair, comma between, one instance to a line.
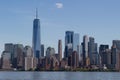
(60,49)
(42,50)
(6,64)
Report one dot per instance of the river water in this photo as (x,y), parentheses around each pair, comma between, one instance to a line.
(59,76)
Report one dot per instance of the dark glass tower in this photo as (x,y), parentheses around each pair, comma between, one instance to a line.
(85,49)
(42,50)
(36,37)
(68,43)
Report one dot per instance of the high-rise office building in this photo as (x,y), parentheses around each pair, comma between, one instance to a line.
(28,63)
(5,60)
(76,45)
(85,49)
(91,46)
(116,43)
(103,54)
(9,47)
(75,59)
(18,61)
(28,59)
(115,55)
(103,48)
(92,51)
(69,37)
(36,37)
(42,50)
(28,51)
(50,52)
(68,43)
(60,49)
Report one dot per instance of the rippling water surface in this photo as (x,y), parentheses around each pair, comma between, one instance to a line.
(59,76)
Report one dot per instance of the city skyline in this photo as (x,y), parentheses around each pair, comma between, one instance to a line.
(95,18)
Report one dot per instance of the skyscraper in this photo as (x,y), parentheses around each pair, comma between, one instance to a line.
(92,51)
(42,50)
(115,56)
(68,43)
(18,61)
(75,59)
(28,59)
(50,52)
(76,42)
(103,54)
(6,60)
(117,43)
(36,37)
(69,37)
(60,49)
(85,49)
(28,51)
(9,47)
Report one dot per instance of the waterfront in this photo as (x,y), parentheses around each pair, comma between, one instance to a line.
(59,75)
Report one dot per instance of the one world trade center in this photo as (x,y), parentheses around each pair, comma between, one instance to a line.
(36,45)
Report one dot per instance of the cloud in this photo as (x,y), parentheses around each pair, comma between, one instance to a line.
(59,5)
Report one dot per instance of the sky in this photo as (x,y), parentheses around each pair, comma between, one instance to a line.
(96,18)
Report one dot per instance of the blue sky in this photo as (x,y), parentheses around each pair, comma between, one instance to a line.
(96,18)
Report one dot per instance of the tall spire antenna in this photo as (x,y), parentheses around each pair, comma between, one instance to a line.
(36,13)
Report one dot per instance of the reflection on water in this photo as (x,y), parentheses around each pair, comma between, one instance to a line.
(59,76)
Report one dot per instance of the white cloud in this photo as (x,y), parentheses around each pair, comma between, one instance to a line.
(59,5)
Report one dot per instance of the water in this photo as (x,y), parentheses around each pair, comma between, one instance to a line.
(59,76)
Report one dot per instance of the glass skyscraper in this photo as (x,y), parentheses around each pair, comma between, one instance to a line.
(68,43)
(69,37)
(76,42)
(85,49)
(36,37)
(42,50)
